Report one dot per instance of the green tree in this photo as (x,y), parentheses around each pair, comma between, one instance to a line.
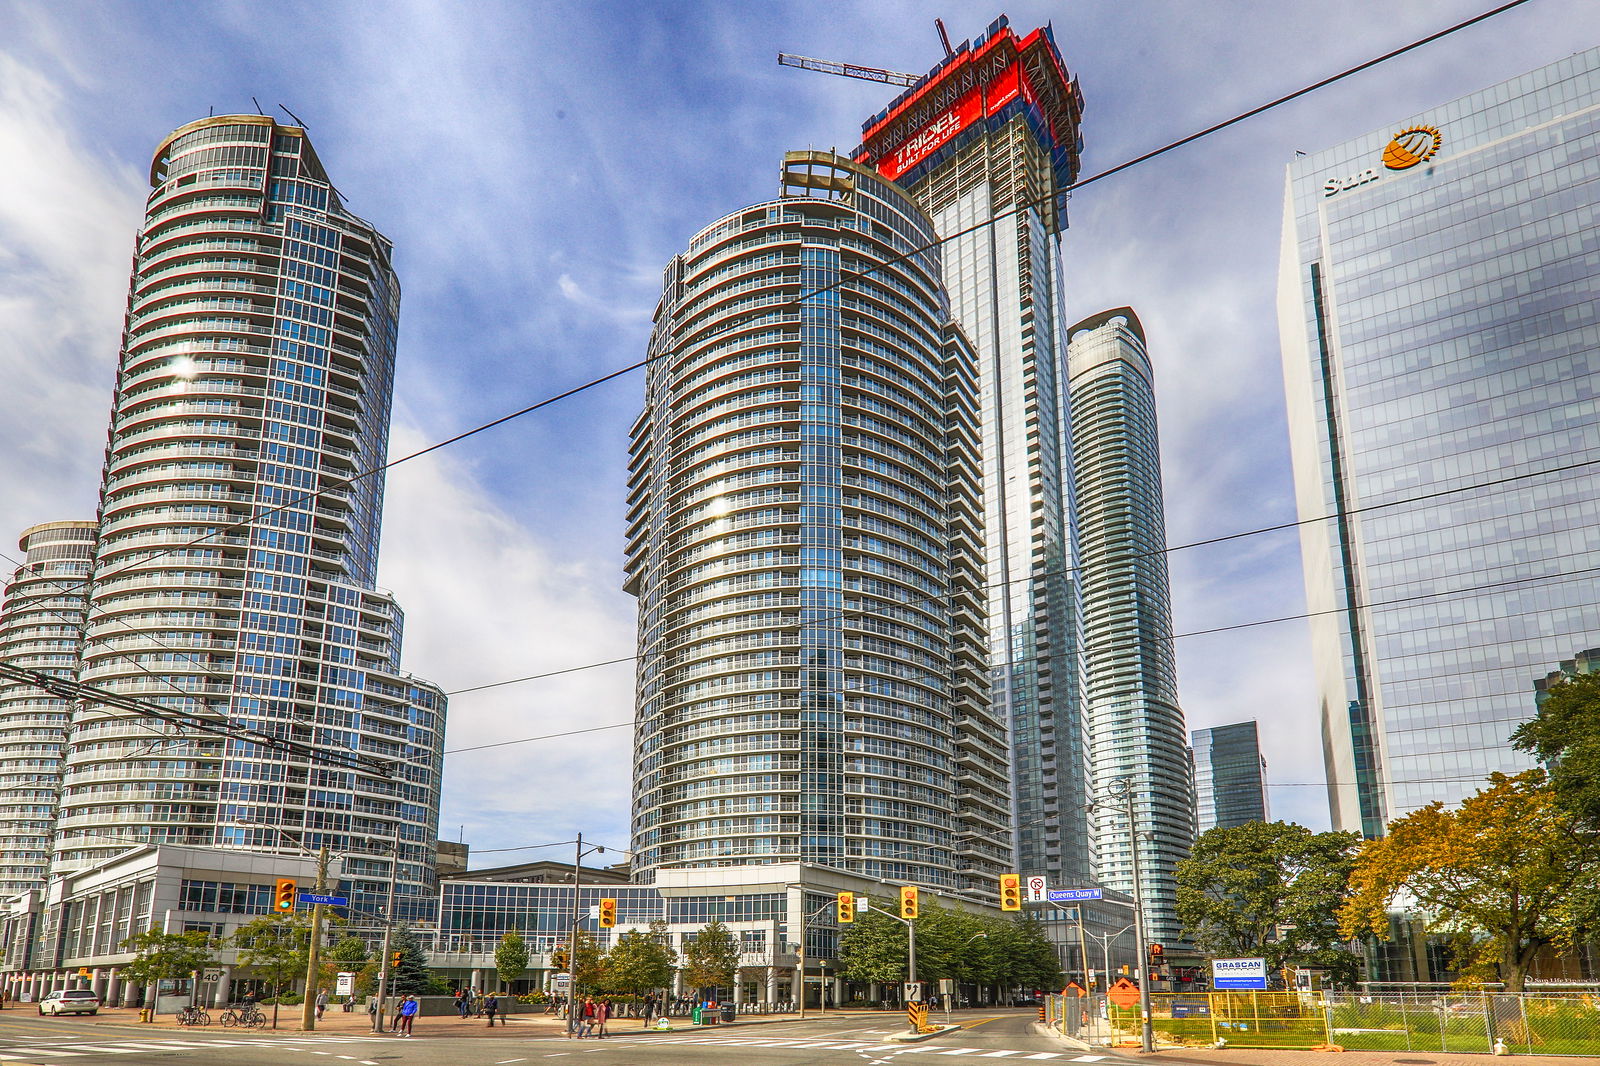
(511,958)
(1021,955)
(639,962)
(1499,873)
(413,976)
(274,946)
(162,956)
(1565,736)
(1270,890)
(872,949)
(711,959)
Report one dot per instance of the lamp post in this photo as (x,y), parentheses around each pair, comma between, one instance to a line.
(308,1008)
(388,932)
(1105,946)
(1122,794)
(572,949)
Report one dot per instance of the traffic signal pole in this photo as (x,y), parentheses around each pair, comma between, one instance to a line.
(388,932)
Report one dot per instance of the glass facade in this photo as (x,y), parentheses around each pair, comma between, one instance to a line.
(1136,725)
(40,625)
(1441,329)
(803,542)
(257,367)
(1230,777)
(996,187)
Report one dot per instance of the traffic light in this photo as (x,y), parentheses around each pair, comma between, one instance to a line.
(283,896)
(558,958)
(1011,892)
(1156,951)
(608,913)
(847,907)
(394,960)
(908,902)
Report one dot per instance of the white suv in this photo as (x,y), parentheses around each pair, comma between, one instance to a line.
(70,1001)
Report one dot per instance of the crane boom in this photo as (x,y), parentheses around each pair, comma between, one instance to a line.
(848,70)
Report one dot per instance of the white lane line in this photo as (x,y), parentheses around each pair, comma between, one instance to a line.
(503,1062)
(13,1052)
(1089,1058)
(998,1054)
(961,1051)
(1045,1055)
(109,1050)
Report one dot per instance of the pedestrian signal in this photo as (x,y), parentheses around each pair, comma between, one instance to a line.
(1156,951)
(608,913)
(284,895)
(394,960)
(908,902)
(846,908)
(1011,892)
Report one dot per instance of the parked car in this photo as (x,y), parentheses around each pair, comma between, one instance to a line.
(70,1001)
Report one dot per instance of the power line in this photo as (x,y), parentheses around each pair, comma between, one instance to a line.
(1555,578)
(1123,557)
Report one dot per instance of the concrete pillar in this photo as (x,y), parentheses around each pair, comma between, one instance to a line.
(150,995)
(113,987)
(772,986)
(222,995)
(738,986)
(97,983)
(838,990)
(477,980)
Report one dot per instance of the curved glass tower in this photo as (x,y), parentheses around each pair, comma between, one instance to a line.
(805,545)
(40,626)
(1137,732)
(257,367)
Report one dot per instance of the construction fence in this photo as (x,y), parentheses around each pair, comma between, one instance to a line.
(1532,1023)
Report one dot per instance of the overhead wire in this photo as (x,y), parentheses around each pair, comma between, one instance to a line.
(341,483)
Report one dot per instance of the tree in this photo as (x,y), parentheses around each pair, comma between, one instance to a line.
(589,961)
(711,959)
(872,949)
(1270,890)
(639,962)
(274,946)
(1022,955)
(1499,873)
(1565,736)
(162,956)
(511,958)
(413,975)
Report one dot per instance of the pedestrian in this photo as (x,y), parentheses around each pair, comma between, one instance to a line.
(491,1005)
(602,1013)
(372,1014)
(322,1003)
(649,1008)
(589,1011)
(408,1011)
(477,1003)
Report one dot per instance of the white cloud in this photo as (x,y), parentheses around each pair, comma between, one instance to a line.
(488,599)
(67,216)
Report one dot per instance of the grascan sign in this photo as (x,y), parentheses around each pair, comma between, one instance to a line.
(1239,974)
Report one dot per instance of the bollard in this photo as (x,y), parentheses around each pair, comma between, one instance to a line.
(147,1014)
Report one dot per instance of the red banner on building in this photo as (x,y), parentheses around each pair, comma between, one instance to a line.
(933,136)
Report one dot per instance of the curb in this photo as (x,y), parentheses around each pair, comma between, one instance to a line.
(917,1038)
(760,1019)
(1071,1041)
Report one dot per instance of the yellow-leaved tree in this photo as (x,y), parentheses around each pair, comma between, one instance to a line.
(1499,873)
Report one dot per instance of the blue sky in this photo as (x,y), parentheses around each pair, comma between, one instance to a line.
(536,164)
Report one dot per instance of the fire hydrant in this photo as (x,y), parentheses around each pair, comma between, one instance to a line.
(147,1014)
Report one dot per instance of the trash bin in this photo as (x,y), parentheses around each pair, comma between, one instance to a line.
(694,1015)
(727,1012)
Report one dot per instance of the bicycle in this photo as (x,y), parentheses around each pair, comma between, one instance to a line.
(250,1016)
(192,1015)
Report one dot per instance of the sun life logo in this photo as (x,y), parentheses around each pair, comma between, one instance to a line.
(1411,146)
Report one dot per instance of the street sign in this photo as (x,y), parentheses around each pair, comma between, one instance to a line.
(83,971)
(1067,895)
(1036,889)
(947,986)
(913,991)
(212,976)
(326,901)
(345,985)
(1239,974)
(563,981)
(863,904)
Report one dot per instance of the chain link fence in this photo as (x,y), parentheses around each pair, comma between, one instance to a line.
(1540,1023)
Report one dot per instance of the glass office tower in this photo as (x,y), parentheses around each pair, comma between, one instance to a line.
(804,542)
(257,367)
(1230,777)
(1439,302)
(992,130)
(1136,729)
(41,623)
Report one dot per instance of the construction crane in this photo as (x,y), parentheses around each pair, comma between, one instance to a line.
(855,70)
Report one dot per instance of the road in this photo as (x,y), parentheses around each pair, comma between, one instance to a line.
(837,1040)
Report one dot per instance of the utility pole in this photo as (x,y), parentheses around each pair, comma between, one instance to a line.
(388,931)
(308,1009)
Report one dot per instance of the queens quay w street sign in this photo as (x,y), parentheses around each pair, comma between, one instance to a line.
(1239,974)
(1068,895)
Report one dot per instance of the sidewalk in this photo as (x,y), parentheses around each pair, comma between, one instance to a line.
(334,1023)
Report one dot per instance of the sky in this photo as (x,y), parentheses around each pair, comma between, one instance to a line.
(537,164)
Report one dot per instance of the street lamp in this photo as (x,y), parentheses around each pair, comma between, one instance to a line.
(308,1008)
(572,948)
(1122,795)
(1105,946)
